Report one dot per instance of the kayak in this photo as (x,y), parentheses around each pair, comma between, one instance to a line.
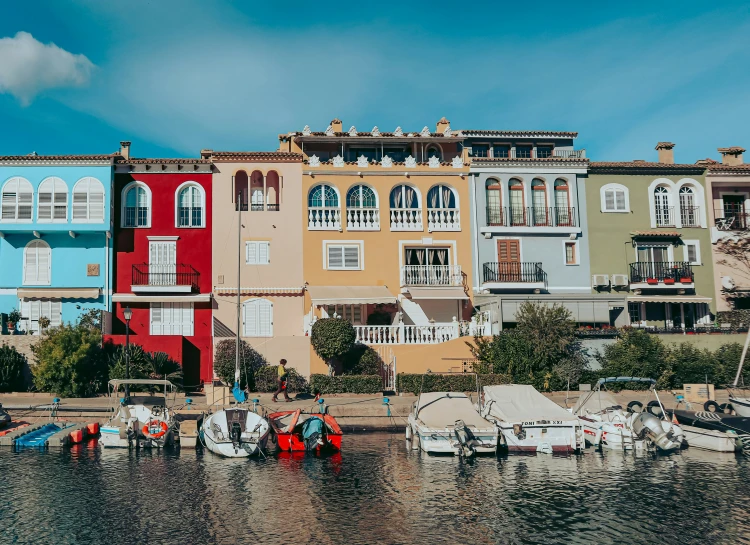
(296,431)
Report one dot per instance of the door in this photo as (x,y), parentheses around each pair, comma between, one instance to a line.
(509,261)
(655,259)
(734,211)
(162,263)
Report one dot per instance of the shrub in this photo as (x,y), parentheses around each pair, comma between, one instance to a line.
(346,384)
(12,366)
(692,365)
(266,377)
(140,364)
(638,354)
(435,382)
(250,362)
(362,360)
(728,360)
(332,338)
(71,362)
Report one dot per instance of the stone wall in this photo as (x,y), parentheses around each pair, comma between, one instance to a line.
(22,343)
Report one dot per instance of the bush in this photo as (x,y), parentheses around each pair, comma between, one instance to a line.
(429,382)
(140,365)
(71,362)
(692,365)
(361,360)
(728,360)
(266,377)
(638,354)
(12,366)
(332,338)
(346,384)
(250,362)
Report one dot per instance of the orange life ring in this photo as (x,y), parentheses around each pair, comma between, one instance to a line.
(152,424)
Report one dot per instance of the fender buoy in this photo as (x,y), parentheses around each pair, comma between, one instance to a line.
(726,408)
(93,428)
(76,436)
(155,425)
(632,407)
(654,408)
(712,406)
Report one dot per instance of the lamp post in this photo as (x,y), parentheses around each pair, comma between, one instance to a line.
(127,314)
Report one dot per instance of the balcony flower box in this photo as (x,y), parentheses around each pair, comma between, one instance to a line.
(652,281)
(669,281)
(686,280)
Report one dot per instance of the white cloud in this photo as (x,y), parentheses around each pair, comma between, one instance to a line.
(29,67)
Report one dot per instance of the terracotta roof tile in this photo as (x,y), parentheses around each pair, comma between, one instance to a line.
(267,156)
(719,167)
(382,134)
(644,166)
(553,159)
(165,161)
(517,134)
(35,157)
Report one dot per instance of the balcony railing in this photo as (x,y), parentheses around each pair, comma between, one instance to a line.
(165,275)
(514,272)
(555,216)
(423,334)
(544,153)
(320,218)
(731,218)
(257,207)
(665,273)
(362,219)
(406,219)
(665,216)
(431,275)
(443,219)
(273,207)
(690,216)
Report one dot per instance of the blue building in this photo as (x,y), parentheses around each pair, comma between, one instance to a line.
(55,236)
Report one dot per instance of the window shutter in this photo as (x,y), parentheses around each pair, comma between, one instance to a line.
(25,315)
(43,264)
(156,318)
(80,203)
(45,203)
(187,319)
(30,270)
(25,201)
(263,253)
(55,314)
(9,205)
(251,319)
(96,201)
(335,257)
(351,257)
(245,323)
(265,318)
(34,316)
(252,253)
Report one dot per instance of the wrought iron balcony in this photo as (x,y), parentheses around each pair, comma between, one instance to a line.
(555,216)
(165,277)
(690,216)
(661,273)
(732,218)
(511,272)
(664,216)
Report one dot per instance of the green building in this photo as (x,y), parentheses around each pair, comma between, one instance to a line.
(650,244)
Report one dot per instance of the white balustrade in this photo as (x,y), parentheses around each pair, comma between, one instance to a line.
(406,219)
(431,275)
(321,218)
(443,219)
(362,219)
(407,334)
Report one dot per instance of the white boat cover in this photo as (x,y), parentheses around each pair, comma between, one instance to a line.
(596,402)
(441,409)
(521,402)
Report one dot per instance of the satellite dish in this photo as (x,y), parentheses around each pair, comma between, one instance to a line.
(727,282)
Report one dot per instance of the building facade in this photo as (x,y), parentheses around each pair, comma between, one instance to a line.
(55,237)
(258,235)
(649,240)
(728,192)
(163,223)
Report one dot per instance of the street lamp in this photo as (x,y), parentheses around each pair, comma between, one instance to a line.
(127,314)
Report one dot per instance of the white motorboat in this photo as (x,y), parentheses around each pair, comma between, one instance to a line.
(141,420)
(448,423)
(740,403)
(714,440)
(235,433)
(531,422)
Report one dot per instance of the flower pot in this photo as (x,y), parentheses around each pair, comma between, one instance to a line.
(669,281)
(652,281)
(686,280)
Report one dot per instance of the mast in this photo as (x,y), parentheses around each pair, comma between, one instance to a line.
(239,305)
(742,359)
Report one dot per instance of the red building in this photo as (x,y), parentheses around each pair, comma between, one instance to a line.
(162,259)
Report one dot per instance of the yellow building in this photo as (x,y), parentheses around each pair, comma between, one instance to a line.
(386,235)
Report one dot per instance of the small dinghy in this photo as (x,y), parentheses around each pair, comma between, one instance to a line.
(296,431)
(235,433)
(531,422)
(713,431)
(448,423)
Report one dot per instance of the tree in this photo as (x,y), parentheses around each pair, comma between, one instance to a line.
(91,319)
(225,362)
(638,354)
(737,251)
(331,338)
(361,360)
(549,327)
(693,365)
(12,365)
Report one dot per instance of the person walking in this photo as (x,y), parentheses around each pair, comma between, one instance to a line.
(281,380)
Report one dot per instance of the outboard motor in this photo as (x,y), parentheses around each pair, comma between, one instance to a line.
(648,425)
(465,439)
(235,433)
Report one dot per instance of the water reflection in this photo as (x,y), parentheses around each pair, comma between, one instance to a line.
(376,491)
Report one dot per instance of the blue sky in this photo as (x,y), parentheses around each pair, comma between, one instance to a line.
(178,76)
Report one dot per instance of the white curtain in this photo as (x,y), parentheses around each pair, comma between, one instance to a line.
(420,256)
(409,196)
(442,255)
(434,194)
(397,198)
(446,197)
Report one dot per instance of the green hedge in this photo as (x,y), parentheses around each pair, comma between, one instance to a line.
(266,380)
(733,317)
(446,383)
(346,384)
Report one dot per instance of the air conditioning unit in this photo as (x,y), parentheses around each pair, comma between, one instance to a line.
(600,280)
(620,280)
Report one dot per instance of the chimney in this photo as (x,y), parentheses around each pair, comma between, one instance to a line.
(125,149)
(206,153)
(442,125)
(336,125)
(666,155)
(731,156)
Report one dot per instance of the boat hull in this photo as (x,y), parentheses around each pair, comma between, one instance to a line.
(444,441)
(713,440)
(560,439)
(216,435)
(609,435)
(740,405)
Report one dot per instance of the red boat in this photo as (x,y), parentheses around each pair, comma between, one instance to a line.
(290,427)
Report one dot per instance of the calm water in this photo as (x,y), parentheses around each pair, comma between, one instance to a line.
(375,492)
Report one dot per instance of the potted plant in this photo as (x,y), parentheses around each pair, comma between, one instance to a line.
(44,323)
(652,281)
(13,318)
(669,281)
(686,280)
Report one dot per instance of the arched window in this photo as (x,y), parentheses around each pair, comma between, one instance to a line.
(362,212)
(433,151)
(88,201)
(441,196)
(614,198)
(688,208)
(563,214)
(361,196)
(17,200)
(442,209)
(257,200)
(323,196)
(137,206)
(539,202)
(517,211)
(37,263)
(662,207)
(257,318)
(53,201)
(494,197)
(190,206)
(273,188)
(404,196)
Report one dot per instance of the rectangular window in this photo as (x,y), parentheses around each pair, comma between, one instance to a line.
(523,152)
(571,253)
(692,252)
(172,319)
(480,150)
(356,153)
(501,150)
(31,311)
(343,257)
(351,313)
(542,152)
(399,155)
(257,252)
(634,311)
(257,318)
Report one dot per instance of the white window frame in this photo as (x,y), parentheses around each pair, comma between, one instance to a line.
(49,308)
(52,182)
(347,313)
(258,333)
(697,244)
(603,196)
(160,331)
(202,192)
(89,206)
(30,189)
(359,244)
(37,242)
(257,244)
(123,205)
(576,254)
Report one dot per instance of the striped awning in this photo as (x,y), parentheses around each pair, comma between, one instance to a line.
(59,293)
(668,299)
(350,295)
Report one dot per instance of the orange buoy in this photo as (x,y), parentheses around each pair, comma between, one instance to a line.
(76,436)
(93,428)
(155,429)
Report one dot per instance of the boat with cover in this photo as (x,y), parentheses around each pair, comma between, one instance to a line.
(607,425)
(715,431)
(296,431)
(529,421)
(448,423)
(142,420)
